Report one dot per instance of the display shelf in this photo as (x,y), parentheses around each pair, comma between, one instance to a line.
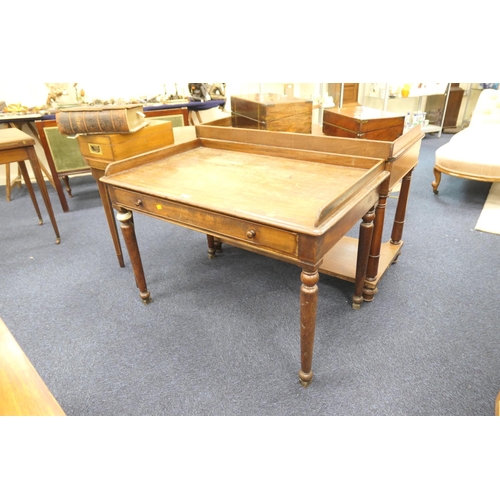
(381,94)
(473,93)
(431,128)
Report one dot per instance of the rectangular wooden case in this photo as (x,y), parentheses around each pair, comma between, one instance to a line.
(271,112)
(360,122)
(102,149)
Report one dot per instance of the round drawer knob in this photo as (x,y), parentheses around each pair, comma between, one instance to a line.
(138,203)
(250,233)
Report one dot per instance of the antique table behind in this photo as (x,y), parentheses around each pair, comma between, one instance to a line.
(17,146)
(282,202)
(400,156)
(19,121)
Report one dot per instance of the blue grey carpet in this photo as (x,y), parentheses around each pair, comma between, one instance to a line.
(221,337)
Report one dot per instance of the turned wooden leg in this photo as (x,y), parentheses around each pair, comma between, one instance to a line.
(364,243)
(376,244)
(126,220)
(435,184)
(43,189)
(399,219)
(308,306)
(68,187)
(29,186)
(218,245)
(211,246)
(108,211)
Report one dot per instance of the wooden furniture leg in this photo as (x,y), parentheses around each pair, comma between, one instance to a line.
(108,211)
(218,245)
(375,247)
(29,186)
(68,187)
(7,182)
(308,307)
(126,219)
(45,170)
(396,237)
(43,188)
(399,220)
(190,117)
(52,174)
(11,184)
(59,189)
(214,246)
(364,243)
(211,246)
(435,184)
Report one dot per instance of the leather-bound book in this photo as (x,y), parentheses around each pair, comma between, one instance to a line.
(120,119)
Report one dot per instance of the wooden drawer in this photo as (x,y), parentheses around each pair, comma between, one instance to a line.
(249,233)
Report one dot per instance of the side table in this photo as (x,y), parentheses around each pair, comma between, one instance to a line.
(17,147)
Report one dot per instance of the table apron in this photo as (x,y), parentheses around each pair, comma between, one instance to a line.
(250,234)
(14,155)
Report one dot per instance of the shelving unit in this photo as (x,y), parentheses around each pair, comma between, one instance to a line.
(384,97)
(472,96)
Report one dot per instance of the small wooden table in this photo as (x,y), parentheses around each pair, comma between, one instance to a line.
(19,121)
(22,391)
(17,146)
(282,202)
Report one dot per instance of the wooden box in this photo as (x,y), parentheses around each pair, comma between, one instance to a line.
(99,150)
(360,122)
(271,112)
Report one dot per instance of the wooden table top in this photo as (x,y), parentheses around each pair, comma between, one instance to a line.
(292,193)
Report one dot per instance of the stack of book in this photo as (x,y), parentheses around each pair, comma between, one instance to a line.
(111,133)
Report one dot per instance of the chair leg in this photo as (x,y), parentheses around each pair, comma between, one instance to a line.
(68,187)
(29,186)
(8,184)
(435,184)
(7,181)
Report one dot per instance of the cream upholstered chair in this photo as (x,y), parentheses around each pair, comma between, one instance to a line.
(474,153)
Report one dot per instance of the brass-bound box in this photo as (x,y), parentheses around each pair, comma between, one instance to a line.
(360,122)
(272,112)
(99,150)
